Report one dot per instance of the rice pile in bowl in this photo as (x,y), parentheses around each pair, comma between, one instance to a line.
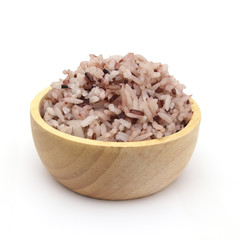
(118,99)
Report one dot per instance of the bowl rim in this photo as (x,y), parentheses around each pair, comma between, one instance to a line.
(35,114)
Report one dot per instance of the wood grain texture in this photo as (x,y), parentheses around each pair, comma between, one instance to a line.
(113,170)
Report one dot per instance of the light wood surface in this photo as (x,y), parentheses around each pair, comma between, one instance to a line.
(113,170)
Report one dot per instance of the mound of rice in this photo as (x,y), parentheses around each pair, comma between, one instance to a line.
(118,99)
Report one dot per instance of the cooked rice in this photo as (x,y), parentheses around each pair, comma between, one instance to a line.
(118,99)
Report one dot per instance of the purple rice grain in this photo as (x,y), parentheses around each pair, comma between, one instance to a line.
(106,71)
(121,115)
(64,86)
(160,103)
(174,91)
(114,97)
(89,77)
(157,119)
(137,112)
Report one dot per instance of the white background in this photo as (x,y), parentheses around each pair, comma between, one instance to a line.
(198,39)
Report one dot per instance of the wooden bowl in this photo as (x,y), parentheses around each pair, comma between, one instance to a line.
(112,170)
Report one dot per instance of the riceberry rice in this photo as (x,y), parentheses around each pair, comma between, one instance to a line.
(118,99)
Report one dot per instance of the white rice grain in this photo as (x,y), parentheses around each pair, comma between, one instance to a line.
(73,100)
(59,113)
(88,120)
(144,136)
(167,102)
(114,109)
(66,110)
(165,117)
(125,123)
(157,126)
(51,111)
(94,99)
(122,136)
